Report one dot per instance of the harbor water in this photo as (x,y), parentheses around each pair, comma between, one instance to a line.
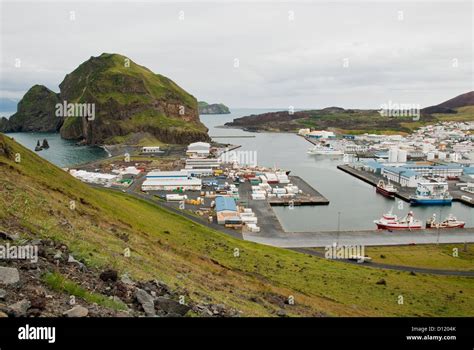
(354,205)
(63,153)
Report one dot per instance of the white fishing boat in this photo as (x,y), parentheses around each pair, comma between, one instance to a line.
(325,150)
(450,222)
(390,221)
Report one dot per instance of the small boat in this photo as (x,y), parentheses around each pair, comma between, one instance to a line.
(449,222)
(387,190)
(325,150)
(390,221)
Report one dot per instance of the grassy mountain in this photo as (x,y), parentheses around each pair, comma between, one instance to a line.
(344,120)
(35,198)
(36,112)
(358,121)
(451,106)
(128,100)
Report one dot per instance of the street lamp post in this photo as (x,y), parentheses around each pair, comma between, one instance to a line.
(338,226)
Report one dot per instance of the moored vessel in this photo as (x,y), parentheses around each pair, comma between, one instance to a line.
(450,222)
(390,221)
(387,190)
(325,150)
(431,193)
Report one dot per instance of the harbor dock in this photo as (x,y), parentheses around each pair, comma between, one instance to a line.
(268,221)
(310,195)
(403,193)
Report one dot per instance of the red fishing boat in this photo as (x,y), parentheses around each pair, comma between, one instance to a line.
(387,190)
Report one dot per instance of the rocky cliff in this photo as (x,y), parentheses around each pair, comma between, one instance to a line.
(110,99)
(35,112)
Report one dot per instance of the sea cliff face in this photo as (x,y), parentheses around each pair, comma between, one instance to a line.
(111,99)
(35,112)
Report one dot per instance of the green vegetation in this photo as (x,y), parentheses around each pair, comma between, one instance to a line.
(153,119)
(129,100)
(36,112)
(58,282)
(215,108)
(443,256)
(35,199)
(350,121)
(463,114)
(361,121)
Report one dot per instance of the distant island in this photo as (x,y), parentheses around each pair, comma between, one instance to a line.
(110,99)
(359,121)
(215,108)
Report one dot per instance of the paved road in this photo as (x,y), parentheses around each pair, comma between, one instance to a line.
(393,267)
(298,241)
(132,190)
(367,238)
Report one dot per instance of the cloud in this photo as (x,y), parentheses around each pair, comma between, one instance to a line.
(281,61)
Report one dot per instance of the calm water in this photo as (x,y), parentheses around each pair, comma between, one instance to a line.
(61,152)
(353,201)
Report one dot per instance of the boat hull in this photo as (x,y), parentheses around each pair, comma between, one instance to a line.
(322,153)
(381,226)
(420,202)
(441,226)
(384,192)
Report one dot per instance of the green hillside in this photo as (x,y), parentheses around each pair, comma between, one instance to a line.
(122,92)
(35,198)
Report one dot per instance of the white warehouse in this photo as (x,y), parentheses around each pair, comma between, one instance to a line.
(171,181)
(199,149)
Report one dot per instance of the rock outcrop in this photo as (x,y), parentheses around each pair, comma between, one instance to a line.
(36,112)
(126,99)
(215,108)
(109,99)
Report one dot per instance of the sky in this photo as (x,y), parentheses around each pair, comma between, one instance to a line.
(310,54)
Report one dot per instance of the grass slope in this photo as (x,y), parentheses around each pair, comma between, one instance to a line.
(35,199)
(443,256)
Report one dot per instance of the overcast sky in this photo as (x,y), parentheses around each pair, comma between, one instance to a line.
(299,54)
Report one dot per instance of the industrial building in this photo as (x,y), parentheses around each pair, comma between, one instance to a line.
(171,181)
(401,175)
(202,163)
(151,150)
(226,210)
(321,134)
(95,178)
(451,170)
(198,150)
(198,172)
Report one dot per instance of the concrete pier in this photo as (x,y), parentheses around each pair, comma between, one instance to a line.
(403,193)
